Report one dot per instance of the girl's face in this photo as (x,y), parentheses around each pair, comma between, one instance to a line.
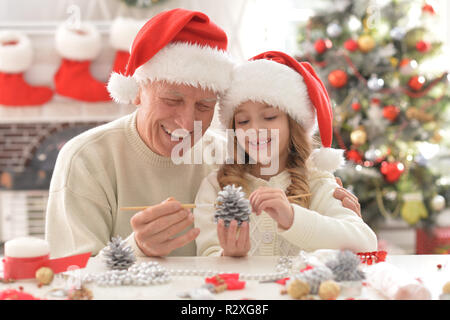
(262,130)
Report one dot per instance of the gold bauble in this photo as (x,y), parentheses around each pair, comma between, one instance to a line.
(366,43)
(394,61)
(329,290)
(437,138)
(358,136)
(44,275)
(298,289)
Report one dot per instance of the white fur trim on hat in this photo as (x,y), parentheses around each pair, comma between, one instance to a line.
(272,83)
(180,63)
(15,58)
(328,159)
(123,31)
(83,43)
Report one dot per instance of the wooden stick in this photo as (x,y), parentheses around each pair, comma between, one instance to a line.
(193,205)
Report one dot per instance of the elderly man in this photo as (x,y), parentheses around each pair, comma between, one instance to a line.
(177,70)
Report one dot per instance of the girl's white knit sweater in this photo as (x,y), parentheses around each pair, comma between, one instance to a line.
(326,224)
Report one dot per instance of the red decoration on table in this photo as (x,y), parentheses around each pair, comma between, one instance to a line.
(25,268)
(372,257)
(392,170)
(391,112)
(416,82)
(323,45)
(282,281)
(230,279)
(337,78)
(351,45)
(13,294)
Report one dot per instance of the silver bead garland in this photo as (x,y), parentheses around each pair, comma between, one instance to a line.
(152,273)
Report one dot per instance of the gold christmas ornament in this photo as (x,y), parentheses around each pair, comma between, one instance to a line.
(366,43)
(437,138)
(44,275)
(329,290)
(394,61)
(358,136)
(297,289)
(413,208)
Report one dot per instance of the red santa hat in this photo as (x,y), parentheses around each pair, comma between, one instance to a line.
(178,46)
(280,80)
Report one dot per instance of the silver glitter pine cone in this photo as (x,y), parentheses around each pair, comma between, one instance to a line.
(345,267)
(117,255)
(232,205)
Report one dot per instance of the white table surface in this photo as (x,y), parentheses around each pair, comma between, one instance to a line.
(418,266)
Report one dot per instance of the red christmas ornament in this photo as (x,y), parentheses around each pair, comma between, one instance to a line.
(391,112)
(423,46)
(337,78)
(392,170)
(375,101)
(354,156)
(351,45)
(356,106)
(322,45)
(427,8)
(416,82)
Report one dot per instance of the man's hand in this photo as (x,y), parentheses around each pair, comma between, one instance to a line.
(155,227)
(348,199)
(232,244)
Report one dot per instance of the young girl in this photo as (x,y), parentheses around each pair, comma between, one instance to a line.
(276,93)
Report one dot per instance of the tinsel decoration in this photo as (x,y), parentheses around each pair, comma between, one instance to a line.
(117,255)
(232,205)
(345,267)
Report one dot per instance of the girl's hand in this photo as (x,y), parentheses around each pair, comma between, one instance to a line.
(232,246)
(275,203)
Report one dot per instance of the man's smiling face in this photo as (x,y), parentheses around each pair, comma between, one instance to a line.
(166,107)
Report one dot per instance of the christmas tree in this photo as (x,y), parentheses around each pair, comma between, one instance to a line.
(390,113)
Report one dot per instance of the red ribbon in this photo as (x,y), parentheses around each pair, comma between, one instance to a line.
(25,268)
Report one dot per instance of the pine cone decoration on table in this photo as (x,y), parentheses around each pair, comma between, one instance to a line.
(345,267)
(117,255)
(314,277)
(232,204)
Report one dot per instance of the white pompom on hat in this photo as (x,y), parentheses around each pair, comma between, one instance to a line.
(281,81)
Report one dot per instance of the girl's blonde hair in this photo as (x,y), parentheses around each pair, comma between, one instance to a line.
(300,148)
